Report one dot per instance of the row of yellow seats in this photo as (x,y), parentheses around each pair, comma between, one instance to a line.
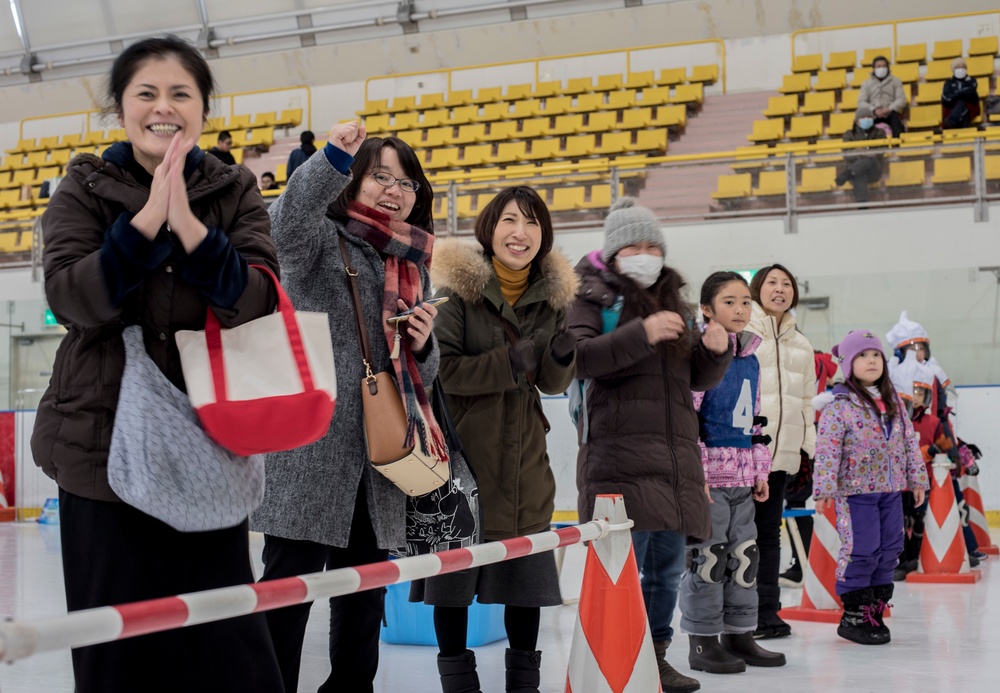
(901,174)
(560,199)
(576,146)
(542,173)
(597,123)
(691,94)
(14,241)
(66,142)
(12,198)
(910,53)
(241,138)
(30,176)
(832,80)
(825,101)
(671,77)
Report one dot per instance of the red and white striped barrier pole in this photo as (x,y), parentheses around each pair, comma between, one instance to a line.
(19,640)
(977,515)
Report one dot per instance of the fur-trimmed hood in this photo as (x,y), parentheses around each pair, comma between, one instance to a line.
(461,267)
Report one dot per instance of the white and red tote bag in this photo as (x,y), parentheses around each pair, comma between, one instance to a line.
(264,386)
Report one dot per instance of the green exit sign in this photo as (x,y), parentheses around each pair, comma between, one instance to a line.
(50,319)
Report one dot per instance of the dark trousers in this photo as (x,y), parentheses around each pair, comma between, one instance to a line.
(354,619)
(895,123)
(870,526)
(862,171)
(768,520)
(114,554)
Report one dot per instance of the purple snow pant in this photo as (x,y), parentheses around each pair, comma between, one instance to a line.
(870,526)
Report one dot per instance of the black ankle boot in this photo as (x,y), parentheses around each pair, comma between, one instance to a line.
(858,624)
(523,670)
(742,645)
(671,680)
(706,654)
(458,674)
(881,594)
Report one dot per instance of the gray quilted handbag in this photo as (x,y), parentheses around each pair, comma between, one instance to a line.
(162,462)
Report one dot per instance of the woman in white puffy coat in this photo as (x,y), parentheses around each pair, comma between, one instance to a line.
(788,383)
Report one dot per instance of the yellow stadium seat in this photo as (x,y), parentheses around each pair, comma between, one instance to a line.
(414,138)
(609,83)
(477,155)
(952,170)
(34,159)
(947,50)
(617,100)
(929,92)
(60,157)
(470,134)
(440,137)
(463,206)
(118,135)
(241,138)
(805,127)
(636,118)
(458,97)
(435,118)
(654,141)
(732,186)
(872,53)
(69,141)
(672,76)
(993,167)
(840,123)
(770,183)
(556,105)
(5,179)
(443,157)
(488,95)
(842,60)
(261,137)
(211,125)
(983,45)
(238,122)
(440,210)
(543,149)
(818,102)
(938,70)
(543,90)
(905,173)
(980,66)
(859,77)
(670,117)
(922,117)
(578,146)
(48,142)
(849,100)
(534,127)
(281,173)
(568,199)
(374,107)
(688,93)
(527,108)
(207,141)
(494,111)
(374,124)
(406,121)
(911,53)
(578,85)
(11,161)
(568,124)
(614,143)
(460,115)
(808,63)
(429,101)
(518,92)
(23,146)
(290,118)
(403,103)
(818,179)
(588,102)
(641,80)
(767,130)
(917,144)
(795,84)
(782,106)
(509,152)
(23,177)
(908,73)
(704,74)
(499,131)
(831,79)
(654,96)
(263,120)
(602,121)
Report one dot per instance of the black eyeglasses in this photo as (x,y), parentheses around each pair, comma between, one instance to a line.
(387,181)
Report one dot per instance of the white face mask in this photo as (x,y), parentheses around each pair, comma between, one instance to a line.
(960,73)
(644,269)
(881,72)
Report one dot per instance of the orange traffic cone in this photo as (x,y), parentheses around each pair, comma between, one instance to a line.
(612,647)
(977,514)
(6,512)
(819,593)
(943,558)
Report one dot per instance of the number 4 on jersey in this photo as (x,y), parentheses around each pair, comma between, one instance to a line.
(743,413)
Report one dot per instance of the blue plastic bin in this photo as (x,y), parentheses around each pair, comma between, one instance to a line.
(410,623)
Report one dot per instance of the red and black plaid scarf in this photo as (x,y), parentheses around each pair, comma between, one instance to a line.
(405,248)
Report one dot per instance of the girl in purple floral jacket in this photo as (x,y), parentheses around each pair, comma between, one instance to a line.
(866,455)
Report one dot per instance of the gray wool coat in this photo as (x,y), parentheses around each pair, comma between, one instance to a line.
(310,491)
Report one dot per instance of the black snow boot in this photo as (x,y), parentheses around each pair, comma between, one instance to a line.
(742,645)
(671,680)
(458,674)
(706,654)
(523,670)
(881,594)
(858,624)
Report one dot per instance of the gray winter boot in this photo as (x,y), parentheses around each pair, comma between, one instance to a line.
(672,680)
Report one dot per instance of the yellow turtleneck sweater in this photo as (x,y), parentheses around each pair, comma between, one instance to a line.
(513,283)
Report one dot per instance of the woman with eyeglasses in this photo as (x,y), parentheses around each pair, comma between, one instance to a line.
(324,506)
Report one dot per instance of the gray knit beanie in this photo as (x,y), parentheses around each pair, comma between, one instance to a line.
(628,223)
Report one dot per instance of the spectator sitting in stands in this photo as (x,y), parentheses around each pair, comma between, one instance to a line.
(267,181)
(959,97)
(301,155)
(883,92)
(862,169)
(222,147)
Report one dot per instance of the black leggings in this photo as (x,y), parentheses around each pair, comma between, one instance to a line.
(451,623)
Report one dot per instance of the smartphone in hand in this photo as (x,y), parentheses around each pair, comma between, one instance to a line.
(406,314)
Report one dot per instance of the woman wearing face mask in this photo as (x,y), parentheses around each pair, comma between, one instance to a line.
(861,168)
(643,429)
(959,97)
(787,386)
(883,93)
